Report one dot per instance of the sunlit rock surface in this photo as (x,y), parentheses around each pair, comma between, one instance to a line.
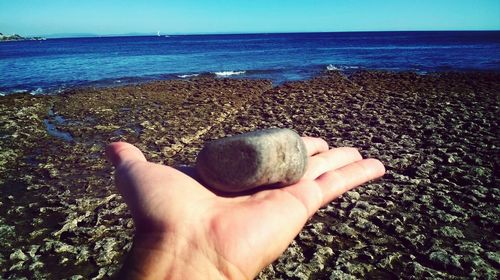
(434,215)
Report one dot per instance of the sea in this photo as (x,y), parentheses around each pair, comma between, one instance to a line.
(53,65)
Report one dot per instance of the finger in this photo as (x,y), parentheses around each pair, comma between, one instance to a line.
(314,194)
(330,160)
(336,182)
(314,145)
(120,152)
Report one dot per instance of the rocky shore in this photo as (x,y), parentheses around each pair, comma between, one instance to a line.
(435,214)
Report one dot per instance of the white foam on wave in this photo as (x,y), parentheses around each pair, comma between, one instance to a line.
(37,91)
(187,76)
(331,67)
(228,73)
(20,91)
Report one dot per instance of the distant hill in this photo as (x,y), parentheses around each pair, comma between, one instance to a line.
(87,35)
(17,37)
(71,35)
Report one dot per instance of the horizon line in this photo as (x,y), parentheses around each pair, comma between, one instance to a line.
(139,34)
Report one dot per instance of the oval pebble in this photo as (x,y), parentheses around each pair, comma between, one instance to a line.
(239,163)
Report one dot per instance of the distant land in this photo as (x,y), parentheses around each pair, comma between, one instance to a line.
(130,34)
(16,37)
(85,35)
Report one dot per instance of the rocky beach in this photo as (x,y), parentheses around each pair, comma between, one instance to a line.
(435,214)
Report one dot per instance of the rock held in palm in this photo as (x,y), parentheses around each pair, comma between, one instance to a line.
(265,157)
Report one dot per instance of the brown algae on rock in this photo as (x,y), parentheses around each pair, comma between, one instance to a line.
(253,159)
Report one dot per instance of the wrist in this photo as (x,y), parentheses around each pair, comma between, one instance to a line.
(169,256)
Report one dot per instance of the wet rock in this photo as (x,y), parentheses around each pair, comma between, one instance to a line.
(246,161)
(63,261)
(367,226)
(101,274)
(33,250)
(107,251)
(388,261)
(441,158)
(320,258)
(36,265)
(494,257)
(7,232)
(452,232)
(420,271)
(445,217)
(481,270)
(345,204)
(468,247)
(17,266)
(18,260)
(340,275)
(445,259)
(353,195)
(425,169)
(416,241)
(18,255)
(57,247)
(289,261)
(345,230)
(358,268)
(82,255)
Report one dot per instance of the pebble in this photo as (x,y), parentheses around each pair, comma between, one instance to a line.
(246,161)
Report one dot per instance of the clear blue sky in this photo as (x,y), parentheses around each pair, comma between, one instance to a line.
(41,17)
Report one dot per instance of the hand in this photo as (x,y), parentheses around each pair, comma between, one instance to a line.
(185,231)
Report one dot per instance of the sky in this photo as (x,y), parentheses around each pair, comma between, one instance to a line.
(105,17)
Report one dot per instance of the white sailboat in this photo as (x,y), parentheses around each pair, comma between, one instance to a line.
(158,34)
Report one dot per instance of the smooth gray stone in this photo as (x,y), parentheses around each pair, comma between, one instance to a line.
(249,160)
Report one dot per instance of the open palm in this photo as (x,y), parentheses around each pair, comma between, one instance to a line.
(178,219)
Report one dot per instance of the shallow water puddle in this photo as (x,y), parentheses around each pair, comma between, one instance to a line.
(52,129)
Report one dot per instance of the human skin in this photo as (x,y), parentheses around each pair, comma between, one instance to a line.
(185,231)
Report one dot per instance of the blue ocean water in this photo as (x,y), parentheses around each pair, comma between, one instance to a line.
(54,64)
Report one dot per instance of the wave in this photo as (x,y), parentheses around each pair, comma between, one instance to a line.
(37,91)
(331,67)
(188,76)
(20,91)
(229,73)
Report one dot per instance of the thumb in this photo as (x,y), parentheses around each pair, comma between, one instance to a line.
(126,181)
(120,152)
